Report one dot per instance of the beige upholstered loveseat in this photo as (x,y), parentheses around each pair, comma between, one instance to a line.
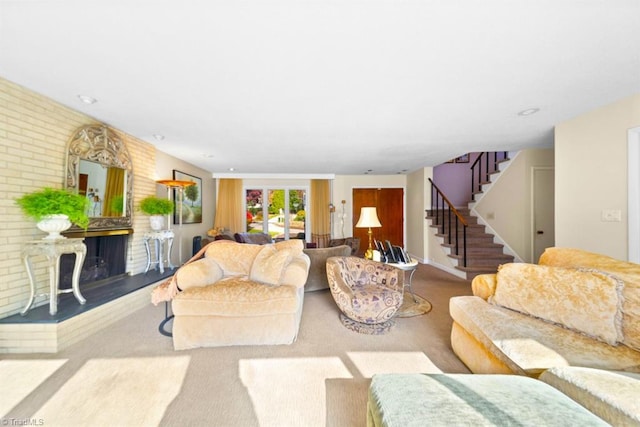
(240,294)
(573,320)
(317,279)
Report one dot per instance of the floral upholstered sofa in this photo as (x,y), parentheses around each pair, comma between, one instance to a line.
(573,320)
(238,294)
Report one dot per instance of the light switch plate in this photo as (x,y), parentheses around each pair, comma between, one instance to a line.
(611,215)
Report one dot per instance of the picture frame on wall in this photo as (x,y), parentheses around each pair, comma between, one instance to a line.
(191,202)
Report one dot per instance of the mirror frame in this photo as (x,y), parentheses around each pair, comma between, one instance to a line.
(100,144)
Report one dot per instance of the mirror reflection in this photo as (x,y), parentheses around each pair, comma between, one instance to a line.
(104,187)
(99,167)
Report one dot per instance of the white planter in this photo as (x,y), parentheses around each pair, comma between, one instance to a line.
(156,222)
(54,224)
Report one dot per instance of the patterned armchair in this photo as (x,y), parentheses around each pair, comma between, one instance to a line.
(367,292)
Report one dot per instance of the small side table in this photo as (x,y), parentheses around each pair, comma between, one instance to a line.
(53,249)
(407,266)
(158,238)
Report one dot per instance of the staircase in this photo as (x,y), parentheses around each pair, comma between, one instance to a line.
(482,254)
(466,241)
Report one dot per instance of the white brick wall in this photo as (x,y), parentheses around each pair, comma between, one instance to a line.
(34,132)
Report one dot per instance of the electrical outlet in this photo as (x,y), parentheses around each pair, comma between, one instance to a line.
(611,215)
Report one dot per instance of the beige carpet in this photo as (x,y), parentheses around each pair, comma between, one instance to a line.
(129,374)
(125,392)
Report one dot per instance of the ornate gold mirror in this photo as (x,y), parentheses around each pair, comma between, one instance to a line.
(99,167)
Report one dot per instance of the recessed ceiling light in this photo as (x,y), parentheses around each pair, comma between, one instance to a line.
(87,99)
(528,111)
(231,169)
(158,137)
(208,156)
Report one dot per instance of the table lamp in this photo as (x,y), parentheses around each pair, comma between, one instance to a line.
(368,219)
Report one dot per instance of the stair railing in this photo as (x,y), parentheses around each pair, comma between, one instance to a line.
(486,164)
(444,213)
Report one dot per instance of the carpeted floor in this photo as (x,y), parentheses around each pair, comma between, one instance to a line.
(129,375)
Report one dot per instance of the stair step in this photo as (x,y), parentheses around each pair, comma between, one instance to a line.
(481,238)
(484,260)
(476,232)
(471,232)
(473,228)
(478,249)
(474,271)
(470,220)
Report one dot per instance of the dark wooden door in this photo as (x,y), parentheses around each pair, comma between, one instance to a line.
(83,179)
(389,204)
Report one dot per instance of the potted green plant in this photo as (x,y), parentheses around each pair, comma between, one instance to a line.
(55,210)
(117,204)
(156,208)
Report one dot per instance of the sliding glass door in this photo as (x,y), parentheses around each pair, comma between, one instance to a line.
(279,212)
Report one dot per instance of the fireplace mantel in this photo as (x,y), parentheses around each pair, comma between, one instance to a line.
(96,233)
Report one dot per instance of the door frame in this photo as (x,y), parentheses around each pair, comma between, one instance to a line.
(535,169)
(633,197)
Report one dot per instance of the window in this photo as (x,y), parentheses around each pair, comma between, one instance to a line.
(282,214)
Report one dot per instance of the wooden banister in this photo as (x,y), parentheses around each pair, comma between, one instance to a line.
(482,168)
(441,207)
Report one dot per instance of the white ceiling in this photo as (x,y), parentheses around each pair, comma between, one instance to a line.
(326,86)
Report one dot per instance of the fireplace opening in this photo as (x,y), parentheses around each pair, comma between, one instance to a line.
(105,260)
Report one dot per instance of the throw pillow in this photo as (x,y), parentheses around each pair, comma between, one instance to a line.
(295,245)
(234,258)
(629,272)
(202,272)
(585,301)
(269,265)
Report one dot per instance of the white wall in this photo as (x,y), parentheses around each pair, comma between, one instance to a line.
(591,176)
(418,197)
(165,165)
(454,180)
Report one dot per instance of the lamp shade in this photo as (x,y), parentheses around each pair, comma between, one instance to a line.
(368,218)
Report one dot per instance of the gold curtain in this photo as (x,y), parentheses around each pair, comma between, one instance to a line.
(114,189)
(320,215)
(229,206)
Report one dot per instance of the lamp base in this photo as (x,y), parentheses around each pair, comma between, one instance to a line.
(369,254)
